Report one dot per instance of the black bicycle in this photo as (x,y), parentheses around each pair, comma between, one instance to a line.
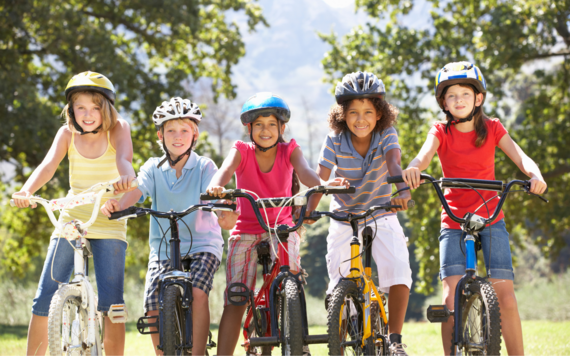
(174,321)
(476,305)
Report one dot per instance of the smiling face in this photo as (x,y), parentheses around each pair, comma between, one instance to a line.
(178,135)
(265,130)
(460,100)
(87,113)
(361,118)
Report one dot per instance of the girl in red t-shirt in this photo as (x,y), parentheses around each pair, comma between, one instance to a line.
(466,145)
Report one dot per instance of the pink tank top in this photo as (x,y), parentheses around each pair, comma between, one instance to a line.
(273,184)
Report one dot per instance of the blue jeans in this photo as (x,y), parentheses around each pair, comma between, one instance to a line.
(452,252)
(109,262)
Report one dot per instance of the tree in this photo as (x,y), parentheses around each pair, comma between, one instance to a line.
(146,48)
(522,47)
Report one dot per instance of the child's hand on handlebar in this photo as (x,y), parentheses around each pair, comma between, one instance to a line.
(337,182)
(411,176)
(402,199)
(23,203)
(215,191)
(227,219)
(110,206)
(123,185)
(537,185)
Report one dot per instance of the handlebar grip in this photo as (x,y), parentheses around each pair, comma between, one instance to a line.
(119,214)
(12,203)
(206,196)
(340,190)
(226,206)
(395,179)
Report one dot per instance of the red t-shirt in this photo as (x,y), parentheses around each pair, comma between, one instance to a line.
(276,183)
(460,158)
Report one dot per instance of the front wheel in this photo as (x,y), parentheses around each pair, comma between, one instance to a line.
(344,324)
(291,319)
(174,323)
(481,322)
(68,324)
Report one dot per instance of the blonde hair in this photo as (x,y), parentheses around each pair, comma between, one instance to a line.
(183,120)
(109,114)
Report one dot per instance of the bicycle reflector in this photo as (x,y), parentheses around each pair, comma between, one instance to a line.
(438,313)
(118,313)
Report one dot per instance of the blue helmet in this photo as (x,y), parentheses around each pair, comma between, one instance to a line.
(264,103)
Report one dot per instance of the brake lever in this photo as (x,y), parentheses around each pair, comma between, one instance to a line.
(398,191)
(527,190)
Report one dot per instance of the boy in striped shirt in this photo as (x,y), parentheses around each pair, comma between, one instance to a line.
(363,146)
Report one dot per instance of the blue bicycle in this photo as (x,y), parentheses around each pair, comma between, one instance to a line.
(476,305)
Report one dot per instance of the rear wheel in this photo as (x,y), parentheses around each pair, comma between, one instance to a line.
(174,324)
(291,319)
(481,322)
(68,324)
(344,324)
(258,330)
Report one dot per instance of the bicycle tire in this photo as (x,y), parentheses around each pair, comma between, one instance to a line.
(291,319)
(481,322)
(173,323)
(344,322)
(377,347)
(68,324)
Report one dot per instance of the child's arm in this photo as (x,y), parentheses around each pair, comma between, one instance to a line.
(127,200)
(121,140)
(224,174)
(411,174)
(524,162)
(47,168)
(393,161)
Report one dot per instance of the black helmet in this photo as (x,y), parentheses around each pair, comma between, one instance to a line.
(359,85)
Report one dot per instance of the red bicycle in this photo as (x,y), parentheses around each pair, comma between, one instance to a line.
(277,313)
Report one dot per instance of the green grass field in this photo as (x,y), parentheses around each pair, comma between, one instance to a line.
(541,338)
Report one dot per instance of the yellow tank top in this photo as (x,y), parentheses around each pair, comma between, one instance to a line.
(83,174)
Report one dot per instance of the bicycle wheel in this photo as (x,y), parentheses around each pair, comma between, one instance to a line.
(481,322)
(344,324)
(258,331)
(68,324)
(376,345)
(291,319)
(174,324)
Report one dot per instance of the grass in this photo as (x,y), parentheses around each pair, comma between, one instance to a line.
(541,338)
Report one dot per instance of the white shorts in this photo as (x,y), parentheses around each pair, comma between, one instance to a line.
(389,251)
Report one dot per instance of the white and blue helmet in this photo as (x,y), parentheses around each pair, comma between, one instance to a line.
(264,103)
(459,73)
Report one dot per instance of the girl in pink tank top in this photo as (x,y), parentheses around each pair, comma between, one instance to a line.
(270,167)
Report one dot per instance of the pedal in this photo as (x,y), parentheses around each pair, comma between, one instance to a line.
(438,313)
(211,343)
(245,295)
(118,313)
(144,323)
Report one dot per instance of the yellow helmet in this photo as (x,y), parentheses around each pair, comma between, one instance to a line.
(90,81)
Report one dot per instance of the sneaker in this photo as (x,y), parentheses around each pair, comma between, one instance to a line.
(306,351)
(396,346)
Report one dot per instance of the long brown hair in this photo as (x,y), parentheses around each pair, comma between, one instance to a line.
(479,117)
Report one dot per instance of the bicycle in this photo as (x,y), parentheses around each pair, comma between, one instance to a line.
(174,321)
(479,329)
(282,296)
(356,309)
(74,324)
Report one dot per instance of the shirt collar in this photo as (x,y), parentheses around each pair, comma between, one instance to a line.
(346,143)
(190,163)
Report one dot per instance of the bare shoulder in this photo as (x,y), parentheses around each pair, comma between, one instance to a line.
(122,125)
(63,136)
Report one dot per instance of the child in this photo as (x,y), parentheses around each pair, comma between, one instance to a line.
(98,144)
(466,145)
(266,166)
(364,148)
(175,181)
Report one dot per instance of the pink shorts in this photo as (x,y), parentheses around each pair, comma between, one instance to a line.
(241,264)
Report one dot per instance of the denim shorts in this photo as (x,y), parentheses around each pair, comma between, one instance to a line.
(109,263)
(452,252)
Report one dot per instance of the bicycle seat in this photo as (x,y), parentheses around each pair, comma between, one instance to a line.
(263,252)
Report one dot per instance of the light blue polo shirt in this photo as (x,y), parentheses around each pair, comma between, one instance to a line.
(168,192)
(368,174)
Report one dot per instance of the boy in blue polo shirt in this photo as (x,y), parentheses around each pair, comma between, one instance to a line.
(363,146)
(175,182)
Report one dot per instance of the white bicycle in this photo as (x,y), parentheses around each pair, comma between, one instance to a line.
(75,327)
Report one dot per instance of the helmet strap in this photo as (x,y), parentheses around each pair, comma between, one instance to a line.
(77,126)
(263,149)
(170,160)
(453,121)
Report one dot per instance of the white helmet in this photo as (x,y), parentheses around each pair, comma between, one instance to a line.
(176,108)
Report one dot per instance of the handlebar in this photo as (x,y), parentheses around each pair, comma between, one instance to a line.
(280,202)
(316,215)
(464,183)
(135,212)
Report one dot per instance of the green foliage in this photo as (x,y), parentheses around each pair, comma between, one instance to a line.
(523,49)
(150,50)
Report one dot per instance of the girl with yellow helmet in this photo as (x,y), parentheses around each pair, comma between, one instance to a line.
(99,148)
(466,144)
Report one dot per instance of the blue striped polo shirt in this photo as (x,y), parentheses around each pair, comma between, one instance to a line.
(368,174)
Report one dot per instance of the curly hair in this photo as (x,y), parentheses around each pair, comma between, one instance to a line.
(388,115)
